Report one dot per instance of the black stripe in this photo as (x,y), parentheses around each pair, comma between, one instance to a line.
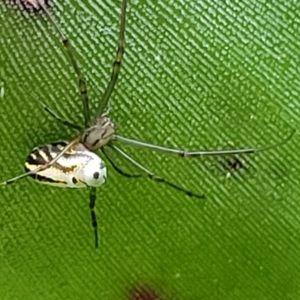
(45,179)
(46,150)
(54,149)
(30,160)
(57,144)
(96,142)
(39,160)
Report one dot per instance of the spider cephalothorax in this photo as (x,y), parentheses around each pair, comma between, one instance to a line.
(98,135)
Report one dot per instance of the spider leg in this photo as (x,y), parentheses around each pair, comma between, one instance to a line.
(60,119)
(52,112)
(93,214)
(117,168)
(42,167)
(116,64)
(196,153)
(154,177)
(81,82)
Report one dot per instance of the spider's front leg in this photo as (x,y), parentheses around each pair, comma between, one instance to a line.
(81,81)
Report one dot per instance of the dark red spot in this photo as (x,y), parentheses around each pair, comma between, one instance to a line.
(144,293)
(31,5)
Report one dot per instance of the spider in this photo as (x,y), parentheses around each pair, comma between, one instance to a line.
(74,163)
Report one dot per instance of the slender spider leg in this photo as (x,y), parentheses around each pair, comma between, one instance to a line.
(43,167)
(81,82)
(60,119)
(154,177)
(93,214)
(196,153)
(117,168)
(117,62)
(52,112)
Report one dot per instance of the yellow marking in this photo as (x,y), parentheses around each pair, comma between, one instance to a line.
(57,181)
(60,147)
(71,152)
(33,156)
(64,169)
(31,167)
(50,180)
(55,168)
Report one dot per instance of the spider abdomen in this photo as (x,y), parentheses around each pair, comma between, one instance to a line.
(77,168)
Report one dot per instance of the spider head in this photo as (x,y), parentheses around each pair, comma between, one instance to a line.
(98,135)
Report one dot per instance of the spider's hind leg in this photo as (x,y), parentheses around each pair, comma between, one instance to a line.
(154,177)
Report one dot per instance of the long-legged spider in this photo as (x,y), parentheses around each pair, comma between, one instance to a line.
(74,164)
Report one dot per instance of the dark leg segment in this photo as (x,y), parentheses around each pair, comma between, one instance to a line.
(117,168)
(93,214)
(154,177)
(197,153)
(51,112)
(117,63)
(81,81)
(60,119)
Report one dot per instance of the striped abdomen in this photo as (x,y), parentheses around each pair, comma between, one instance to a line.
(77,168)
